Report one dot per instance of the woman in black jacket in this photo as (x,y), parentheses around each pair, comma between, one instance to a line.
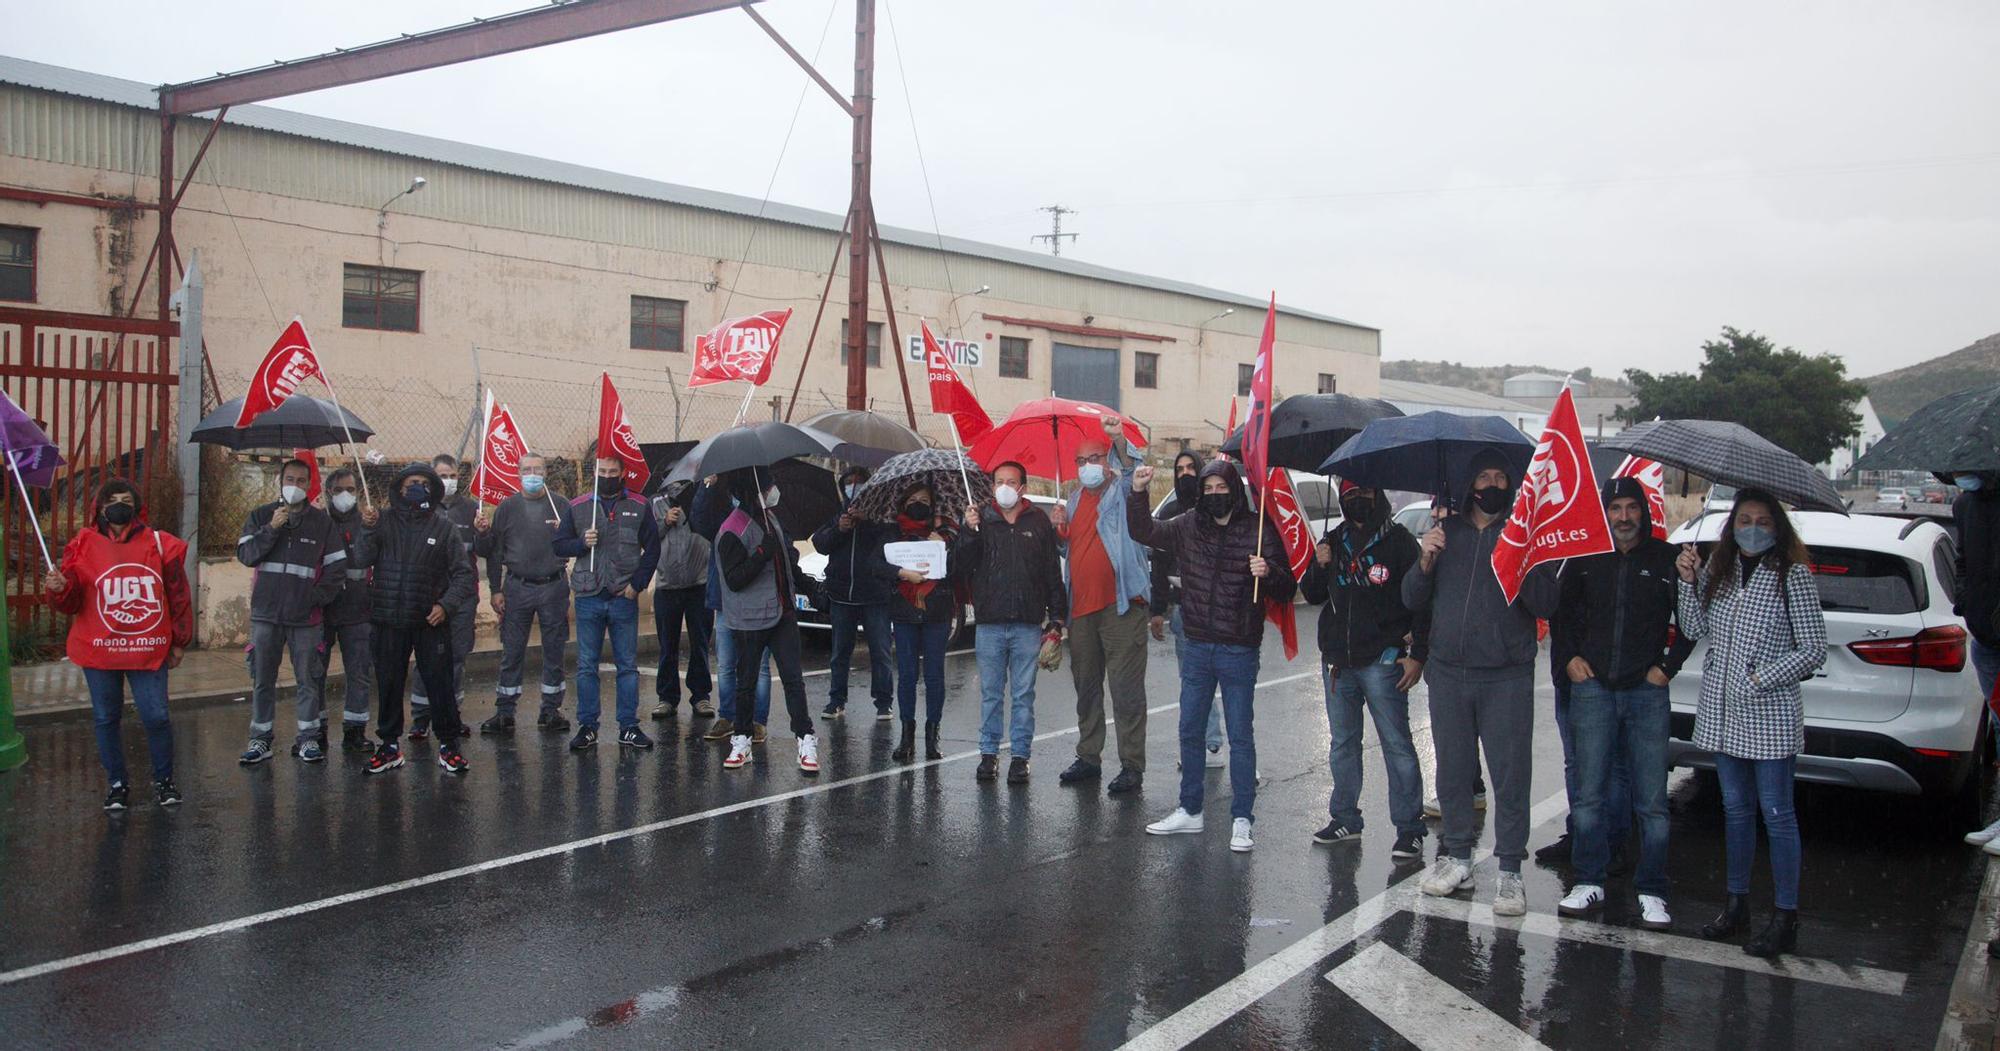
(921,612)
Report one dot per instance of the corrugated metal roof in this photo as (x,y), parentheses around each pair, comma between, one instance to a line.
(1438,394)
(63,80)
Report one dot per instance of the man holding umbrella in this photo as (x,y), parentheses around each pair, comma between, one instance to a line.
(858,582)
(611,535)
(298,559)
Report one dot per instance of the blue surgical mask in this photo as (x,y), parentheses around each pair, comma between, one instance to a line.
(1755,540)
(531,484)
(1971,483)
(1091,475)
(849,490)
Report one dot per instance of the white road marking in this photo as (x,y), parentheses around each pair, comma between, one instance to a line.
(1657,943)
(1225,1001)
(1421,1007)
(67,963)
(1969,1013)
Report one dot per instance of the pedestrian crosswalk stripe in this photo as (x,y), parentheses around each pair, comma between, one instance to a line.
(1421,1007)
(1657,943)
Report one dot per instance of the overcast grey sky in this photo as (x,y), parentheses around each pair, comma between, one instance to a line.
(1565,183)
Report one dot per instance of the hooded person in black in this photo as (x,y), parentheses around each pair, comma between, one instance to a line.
(1616,616)
(1166,583)
(421,574)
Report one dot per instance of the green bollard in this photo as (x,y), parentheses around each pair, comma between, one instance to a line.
(13,750)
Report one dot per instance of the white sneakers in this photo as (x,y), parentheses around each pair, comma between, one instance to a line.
(1510,898)
(1984,836)
(1448,876)
(1178,823)
(1653,913)
(739,752)
(1239,836)
(809,754)
(1583,899)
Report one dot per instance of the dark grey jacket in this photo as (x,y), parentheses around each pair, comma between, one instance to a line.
(683,552)
(1473,629)
(298,569)
(351,606)
(521,541)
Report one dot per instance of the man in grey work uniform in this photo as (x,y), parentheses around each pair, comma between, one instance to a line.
(459,510)
(345,622)
(298,563)
(517,540)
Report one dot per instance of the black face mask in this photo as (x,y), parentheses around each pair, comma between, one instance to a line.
(1492,501)
(610,488)
(1187,490)
(1358,509)
(417,497)
(920,511)
(119,514)
(1217,505)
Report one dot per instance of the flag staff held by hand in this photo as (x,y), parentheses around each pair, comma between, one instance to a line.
(290,362)
(1257,429)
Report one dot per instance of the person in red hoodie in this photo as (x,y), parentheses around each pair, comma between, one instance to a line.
(124,585)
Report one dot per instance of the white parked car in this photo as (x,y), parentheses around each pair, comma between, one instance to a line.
(1416,517)
(1893,497)
(1895,708)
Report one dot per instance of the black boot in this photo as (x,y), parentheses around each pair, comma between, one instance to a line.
(931,742)
(1781,935)
(1734,917)
(908,749)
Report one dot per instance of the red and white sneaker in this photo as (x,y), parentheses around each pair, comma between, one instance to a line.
(809,754)
(739,752)
(387,757)
(452,762)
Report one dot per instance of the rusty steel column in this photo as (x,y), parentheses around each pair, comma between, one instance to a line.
(861,213)
(164,244)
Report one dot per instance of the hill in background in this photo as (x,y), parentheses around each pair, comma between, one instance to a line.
(1488,378)
(1898,394)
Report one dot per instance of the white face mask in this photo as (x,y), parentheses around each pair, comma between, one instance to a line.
(771,497)
(1006,496)
(1091,475)
(850,489)
(343,502)
(450,486)
(292,494)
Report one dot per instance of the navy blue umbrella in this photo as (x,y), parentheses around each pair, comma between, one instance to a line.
(1428,453)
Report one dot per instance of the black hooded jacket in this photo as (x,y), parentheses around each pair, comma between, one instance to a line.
(418,561)
(1977,515)
(1363,590)
(1616,610)
(1214,560)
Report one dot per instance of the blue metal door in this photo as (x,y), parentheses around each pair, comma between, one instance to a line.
(1085,374)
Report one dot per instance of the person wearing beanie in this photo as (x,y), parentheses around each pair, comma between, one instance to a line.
(1481,675)
(1617,611)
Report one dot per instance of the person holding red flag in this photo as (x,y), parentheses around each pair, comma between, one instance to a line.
(1481,675)
(1216,549)
(124,585)
(611,535)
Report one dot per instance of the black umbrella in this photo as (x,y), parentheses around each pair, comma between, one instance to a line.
(1958,432)
(866,438)
(1428,453)
(808,497)
(660,460)
(754,445)
(300,423)
(946,472)
(1732,454)
(1307,428)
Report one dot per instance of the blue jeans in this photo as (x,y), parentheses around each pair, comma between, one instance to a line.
(1611,729)
(921,643)
(596,616)
(1617,810)
(1215,715)
(1372,686)
(1986,665)
(1007,668)
(107,703)
(1751,787)
(725,682)
(873,620)
(1205,666)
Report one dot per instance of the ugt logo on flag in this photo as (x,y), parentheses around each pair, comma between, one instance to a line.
(1557,513)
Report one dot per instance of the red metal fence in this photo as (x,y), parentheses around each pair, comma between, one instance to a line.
(102,388)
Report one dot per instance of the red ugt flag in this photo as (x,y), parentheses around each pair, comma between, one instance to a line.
(1557,513)
(741,348)
(949,394)
(1231,429)
(1652,478)
(1257,425)
(615,437)
(311,458)
(288,363)
(1282,503)
(500,450)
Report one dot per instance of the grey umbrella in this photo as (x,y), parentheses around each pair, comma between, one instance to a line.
(1958,432)
(946,472)
(866,438)
(1732,454)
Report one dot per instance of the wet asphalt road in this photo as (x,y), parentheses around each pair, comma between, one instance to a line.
(880,907)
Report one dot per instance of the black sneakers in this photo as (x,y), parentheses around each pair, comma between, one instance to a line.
(989,768)
(1335,832)
(586,737)
(1081,770)
(1409,847)
(552,722)
(165,793)
(497,725)
(118,797)
(1128,780)
(354,738)
(633,737)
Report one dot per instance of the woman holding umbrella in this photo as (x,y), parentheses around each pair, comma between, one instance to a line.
(921,612)
(1756,604)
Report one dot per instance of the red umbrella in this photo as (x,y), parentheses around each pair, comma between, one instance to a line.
(1044,435)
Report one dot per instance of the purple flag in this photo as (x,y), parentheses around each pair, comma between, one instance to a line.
(29,450)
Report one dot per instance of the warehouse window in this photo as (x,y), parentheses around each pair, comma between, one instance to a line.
(17,263)
(1244,374)
(656,323)
(1013,358)
(1145,369)
(380,297)
(1329,383)
(874,343)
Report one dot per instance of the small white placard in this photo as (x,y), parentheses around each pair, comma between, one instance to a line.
(924,555)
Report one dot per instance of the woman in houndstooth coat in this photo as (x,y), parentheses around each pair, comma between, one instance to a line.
(1757,606)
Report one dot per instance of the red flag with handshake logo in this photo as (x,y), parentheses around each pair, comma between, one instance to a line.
(615,437)
(740,349)
(949,394)
(289,362)
(1558,513)
(1652,478)
(500,450)
(1283,504)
